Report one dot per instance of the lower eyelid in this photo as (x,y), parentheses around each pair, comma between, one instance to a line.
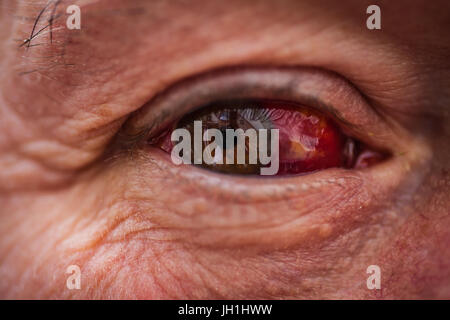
(212,209)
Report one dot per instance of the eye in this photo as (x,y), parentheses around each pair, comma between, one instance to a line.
(321,120)
(307,140)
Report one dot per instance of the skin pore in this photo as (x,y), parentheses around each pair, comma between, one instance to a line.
(140,227)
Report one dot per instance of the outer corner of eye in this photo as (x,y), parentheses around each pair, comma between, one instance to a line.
(263,137)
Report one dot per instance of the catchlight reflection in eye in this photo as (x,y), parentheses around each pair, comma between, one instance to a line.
(308,140)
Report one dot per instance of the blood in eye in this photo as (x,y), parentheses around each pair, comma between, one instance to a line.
(308,140)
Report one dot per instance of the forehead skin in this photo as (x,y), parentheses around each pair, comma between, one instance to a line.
(61,103)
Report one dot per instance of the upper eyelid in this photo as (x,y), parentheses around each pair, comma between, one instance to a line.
(173,99)
(319,89)
(311,87)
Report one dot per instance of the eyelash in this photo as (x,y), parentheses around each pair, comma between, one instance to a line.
(315,89)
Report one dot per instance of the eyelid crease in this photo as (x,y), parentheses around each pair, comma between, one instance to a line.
(319,89)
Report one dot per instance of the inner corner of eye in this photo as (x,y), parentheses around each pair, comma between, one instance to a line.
(262,137)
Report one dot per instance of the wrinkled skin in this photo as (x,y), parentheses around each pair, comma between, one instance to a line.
(140,227)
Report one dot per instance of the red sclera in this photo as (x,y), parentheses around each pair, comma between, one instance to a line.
(308,140)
